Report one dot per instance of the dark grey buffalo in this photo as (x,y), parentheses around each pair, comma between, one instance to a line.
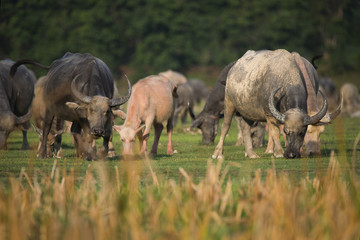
(184,103)
(208,119)
(269,86)
(199,88)
(79,88)
(16,95)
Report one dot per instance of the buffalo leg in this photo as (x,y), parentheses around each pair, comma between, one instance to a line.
(169,128)
(148,122)
(228,114)
(90,148)
(246,130)
(46,130)
(105,148)
(240,140)
(77,139)
(184,116)
(25,144)
(270,145)
(111,152)
(57,146)
(274,132)
(158,129)
(3,137)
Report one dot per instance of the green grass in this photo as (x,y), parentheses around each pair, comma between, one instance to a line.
(192,155)
(189,196)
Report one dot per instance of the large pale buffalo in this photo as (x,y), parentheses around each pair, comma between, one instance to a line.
(269,86)
(152,102)
(208,119)
(16,94)
(79,88)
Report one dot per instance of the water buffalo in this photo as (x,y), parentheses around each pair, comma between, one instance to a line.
(208,119)
(351,96)
(258,131)
(53,145)
(79,88)
(152,102)
(200,90)
(269,86)
(184,103)
(312,141)
(16,94)
(176,77)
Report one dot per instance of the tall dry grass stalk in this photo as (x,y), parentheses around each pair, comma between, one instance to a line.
(99,206)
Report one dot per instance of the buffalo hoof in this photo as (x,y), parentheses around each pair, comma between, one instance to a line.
(220,156)
(59,154)
(251,155)
(111,154)
(239,142)
(269,151)
(279,155)
(25,147)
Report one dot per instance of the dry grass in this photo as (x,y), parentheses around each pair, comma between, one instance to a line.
(104,205)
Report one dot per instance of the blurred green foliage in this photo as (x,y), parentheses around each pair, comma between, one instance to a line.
(147,37)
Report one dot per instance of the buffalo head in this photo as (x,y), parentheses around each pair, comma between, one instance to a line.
(312,141)
(208,123)
(97,110)
(296,122)
(128,137)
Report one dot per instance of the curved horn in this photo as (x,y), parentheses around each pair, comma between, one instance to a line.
(317,117)
(276,114)
(336,113)
(330,117)
(77,94)
(23,119)
(122,100)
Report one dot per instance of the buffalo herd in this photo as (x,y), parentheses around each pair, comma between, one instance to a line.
(278,92)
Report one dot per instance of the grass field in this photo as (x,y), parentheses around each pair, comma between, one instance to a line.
(184,196)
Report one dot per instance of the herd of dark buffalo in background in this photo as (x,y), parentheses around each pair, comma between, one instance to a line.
(276,91)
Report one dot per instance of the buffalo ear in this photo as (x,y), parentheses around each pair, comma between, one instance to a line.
(197,123)
(119,113)
(72,105)
(117,128)
(79,109)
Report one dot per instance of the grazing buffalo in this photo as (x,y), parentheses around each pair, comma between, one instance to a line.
(200,90)
(312,141)
(184,103)
(269,86)
(152,102)
(79,88)
(53,145)
(258,131)
(351,96)
(208,119)
(176,77)
(327,86)
(16,94)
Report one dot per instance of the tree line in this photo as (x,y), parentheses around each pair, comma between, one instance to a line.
(147,37)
